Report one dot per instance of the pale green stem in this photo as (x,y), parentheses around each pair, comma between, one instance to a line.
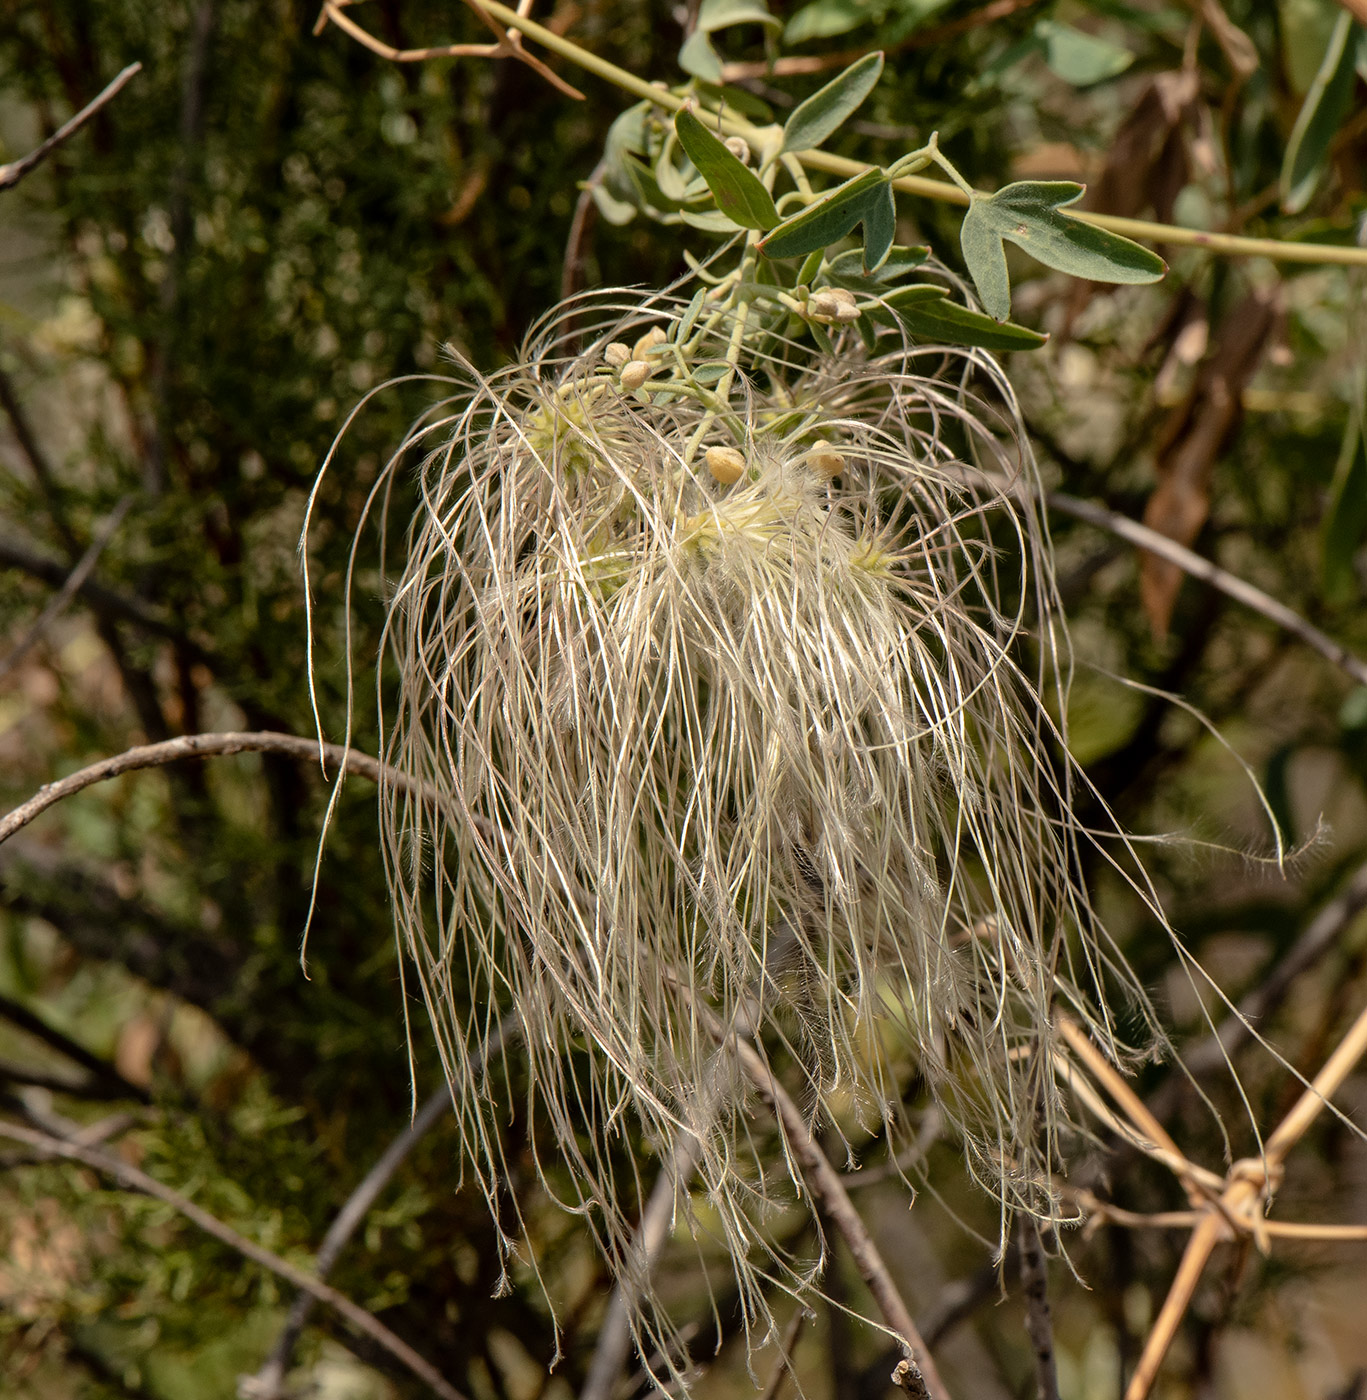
(1225,244)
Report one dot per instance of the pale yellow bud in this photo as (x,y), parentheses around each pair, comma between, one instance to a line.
(653,337)
(635,374)
(825,460)
(617,354)
(726,464)
(739,148)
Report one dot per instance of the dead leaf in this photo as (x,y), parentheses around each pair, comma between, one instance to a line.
(1193,439)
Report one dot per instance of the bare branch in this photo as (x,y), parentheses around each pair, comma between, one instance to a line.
(1198,567)
(614,1337)
(11,174)
(267,1382)
(1039,1324)
(508,45)
(824,1182)
(104,600)
(192,746)
(61,600)
(1320,935)
(132,1179)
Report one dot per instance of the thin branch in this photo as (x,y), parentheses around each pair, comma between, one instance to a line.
(37,460)
(1199,567)
(11,174)
(267,1383)
(824,1182)
(783,1366)
(1039,1324)
(508,45)
(104,600)
(1226,244)
(1250,1182)
(89,1136)
(1321,934)
(192,746)
(614,1336)
(132,1179)
(75,581)
(585,214)
(90,1087)
(797,64)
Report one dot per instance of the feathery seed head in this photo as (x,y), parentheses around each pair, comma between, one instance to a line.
(706,737)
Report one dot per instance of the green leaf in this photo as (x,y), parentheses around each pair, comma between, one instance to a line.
(926,310)
(722,14)
(713,221)
(697,55)
(847,269)
(612,210)
(1325,106)
(824,18)
(1027,214)
(824,112)
(1078,58)
(735,187)
(867,199)
(1345,521)
(699,58)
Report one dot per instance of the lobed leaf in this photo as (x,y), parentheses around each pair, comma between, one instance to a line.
(824,112)
(1027,214)
(925,309)
(866,199)
(739,193)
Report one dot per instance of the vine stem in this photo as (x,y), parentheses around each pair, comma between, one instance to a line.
(1225,244)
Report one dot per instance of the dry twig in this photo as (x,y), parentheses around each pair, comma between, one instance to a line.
(1247,1187)
(61,600)
(11,174)
(507,45)
(824,1182)
(614,1336)
(134,1180)
(1199,567)
(191,746)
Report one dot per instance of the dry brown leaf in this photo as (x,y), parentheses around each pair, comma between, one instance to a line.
(1195,436)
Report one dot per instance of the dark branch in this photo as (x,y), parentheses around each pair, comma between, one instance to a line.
(19,1015)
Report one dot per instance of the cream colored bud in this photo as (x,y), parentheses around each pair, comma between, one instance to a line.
(617,354)
(822,306)
(832,304)
(739,148)
(635,374)
(726,464)
(825,460)
(653,337)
